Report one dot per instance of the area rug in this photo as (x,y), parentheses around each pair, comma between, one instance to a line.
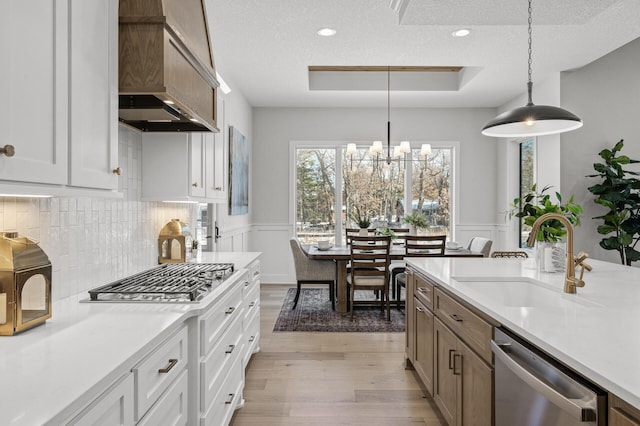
(314,313)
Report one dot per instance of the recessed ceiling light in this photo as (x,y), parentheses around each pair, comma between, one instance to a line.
(326,32)
(462,32)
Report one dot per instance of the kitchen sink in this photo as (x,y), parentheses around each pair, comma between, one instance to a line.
(523,292)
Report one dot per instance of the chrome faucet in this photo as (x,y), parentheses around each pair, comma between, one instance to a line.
(570,281)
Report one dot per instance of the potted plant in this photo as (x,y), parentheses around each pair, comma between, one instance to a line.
(415,221)
(387,232)
(619,193)
(361,220)
(550,234)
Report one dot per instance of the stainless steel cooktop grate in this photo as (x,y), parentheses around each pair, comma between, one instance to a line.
(173,282)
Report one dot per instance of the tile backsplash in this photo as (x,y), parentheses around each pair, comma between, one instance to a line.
(91,240)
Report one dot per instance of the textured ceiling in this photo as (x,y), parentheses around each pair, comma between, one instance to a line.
(263,48)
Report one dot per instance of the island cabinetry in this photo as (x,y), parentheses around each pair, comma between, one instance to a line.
(113,407)
(622,413)
(251,297)
(61,75)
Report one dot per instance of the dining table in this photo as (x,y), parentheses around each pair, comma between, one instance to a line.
(342,255)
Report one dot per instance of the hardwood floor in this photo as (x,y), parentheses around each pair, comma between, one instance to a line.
(329,378)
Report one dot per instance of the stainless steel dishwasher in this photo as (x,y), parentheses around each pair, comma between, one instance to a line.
(533,390)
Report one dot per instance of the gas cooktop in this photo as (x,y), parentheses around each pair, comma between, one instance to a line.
(168,283)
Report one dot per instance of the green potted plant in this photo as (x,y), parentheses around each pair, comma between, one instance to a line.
(361,220)
(387,232)
(550,234)
(415,221)
(619,193)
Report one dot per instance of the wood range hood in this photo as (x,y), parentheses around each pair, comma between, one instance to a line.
(167,79)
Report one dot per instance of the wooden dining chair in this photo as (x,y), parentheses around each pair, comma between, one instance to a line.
(370,268)
(309,271)
(416,246)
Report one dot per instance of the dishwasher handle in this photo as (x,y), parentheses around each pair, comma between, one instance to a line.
(571,406)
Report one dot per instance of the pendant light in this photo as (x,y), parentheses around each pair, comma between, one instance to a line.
(532,120)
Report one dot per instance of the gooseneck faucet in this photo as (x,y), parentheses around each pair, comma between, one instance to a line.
(570,282)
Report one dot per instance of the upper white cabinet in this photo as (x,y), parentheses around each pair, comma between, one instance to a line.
(218,159)
(59,81)
(174,167)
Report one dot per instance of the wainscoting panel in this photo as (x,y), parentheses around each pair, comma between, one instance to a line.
(276,261)
(234,239)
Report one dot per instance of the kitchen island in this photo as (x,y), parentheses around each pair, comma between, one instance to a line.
(52,372)
(595,332)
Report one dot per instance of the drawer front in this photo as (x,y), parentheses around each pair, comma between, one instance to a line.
(216,321)
(476,332)
(227,399)
(156,373)
(114,407)
(172,407)
(254,272)
(424,291)
(251,336)
(252,301)
(217,363)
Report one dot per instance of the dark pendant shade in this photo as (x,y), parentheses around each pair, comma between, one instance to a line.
(532,120)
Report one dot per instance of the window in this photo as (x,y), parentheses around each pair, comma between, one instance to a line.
(362,185)
(527,179)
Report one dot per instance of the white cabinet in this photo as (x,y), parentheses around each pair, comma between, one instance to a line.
(218,160)
(59,83)
(113,407)
(173,166)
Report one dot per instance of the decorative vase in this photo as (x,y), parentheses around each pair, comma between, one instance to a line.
(551,256)
(413,230)
(364,232)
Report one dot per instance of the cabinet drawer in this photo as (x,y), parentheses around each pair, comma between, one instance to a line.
(213,324)
(475,331)
(254,272)
(172,407)
(252,301)
(622,413)
(217,363)
(251,335)
(154,375)
(113,407)
(227,399)
(423,291)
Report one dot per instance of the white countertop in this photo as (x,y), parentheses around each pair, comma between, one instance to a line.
(85,347)
(596,332)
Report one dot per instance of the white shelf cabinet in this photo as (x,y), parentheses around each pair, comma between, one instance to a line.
(60,87)
(173,166)
(217,160)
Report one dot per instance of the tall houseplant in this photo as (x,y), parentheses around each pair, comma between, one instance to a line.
(416,221)
(619,193)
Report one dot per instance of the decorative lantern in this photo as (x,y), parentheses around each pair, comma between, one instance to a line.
(174,242)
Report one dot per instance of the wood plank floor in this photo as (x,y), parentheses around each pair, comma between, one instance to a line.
(329,378)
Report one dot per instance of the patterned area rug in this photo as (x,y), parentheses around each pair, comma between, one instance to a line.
(314,313)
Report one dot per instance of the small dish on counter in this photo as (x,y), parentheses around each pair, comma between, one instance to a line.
(323,248)
(452,245)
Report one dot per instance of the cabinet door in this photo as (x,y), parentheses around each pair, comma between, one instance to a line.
(423,362)
(217,159)
(445,388)
(621,413)
(476,404)
(197,156)
(113,408)
(93,69)
(410,316)
(33,83)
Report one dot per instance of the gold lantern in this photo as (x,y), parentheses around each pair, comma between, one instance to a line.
(174,242)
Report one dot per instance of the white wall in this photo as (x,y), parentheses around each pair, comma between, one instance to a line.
(93,241)
(274,128)
(606,95)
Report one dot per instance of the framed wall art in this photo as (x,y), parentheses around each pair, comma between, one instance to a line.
(238,172)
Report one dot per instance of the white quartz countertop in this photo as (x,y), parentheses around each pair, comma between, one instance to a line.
(596,331)
(85,347)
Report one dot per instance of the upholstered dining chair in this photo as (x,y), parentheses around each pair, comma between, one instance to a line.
(310,271)
(513,254)
(370,268)
(480,245)
(416,246)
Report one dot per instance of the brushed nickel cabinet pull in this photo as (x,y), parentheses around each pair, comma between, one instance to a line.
(218,188)
(117,171)
(172,363)
(246,283)
(8,150)
(194,184)
(230,310)
(229,399)
(230,349)
(451,352)
(422,289)
(252,304)
(420,309)
(256,273)
(252,338)
(456,318)
(456,372)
